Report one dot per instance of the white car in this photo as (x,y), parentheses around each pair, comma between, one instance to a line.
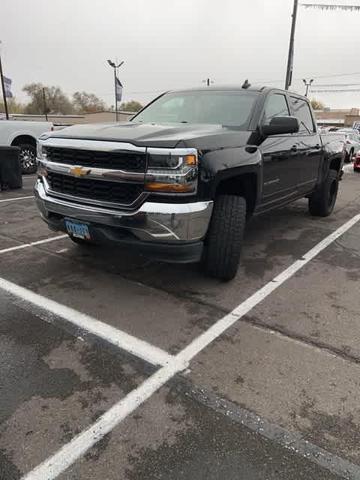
(24,135)
(352,142)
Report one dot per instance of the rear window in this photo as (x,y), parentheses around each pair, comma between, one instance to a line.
(301,111)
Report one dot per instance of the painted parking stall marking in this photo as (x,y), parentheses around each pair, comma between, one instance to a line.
(15,199)
(80,444)
(126,342)
(32,244)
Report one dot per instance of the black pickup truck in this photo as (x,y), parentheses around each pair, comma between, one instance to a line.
(181,179)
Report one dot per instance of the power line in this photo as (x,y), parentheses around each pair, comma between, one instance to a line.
(327,6)
(337,90)
(299,79)
(337,75)
(337,85)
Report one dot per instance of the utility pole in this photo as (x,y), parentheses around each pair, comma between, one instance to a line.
(308,85)
(115,67)
(45,106)
(290,64)
(3,90)
(208,81)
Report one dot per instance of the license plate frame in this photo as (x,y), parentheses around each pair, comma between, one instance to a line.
(77,229)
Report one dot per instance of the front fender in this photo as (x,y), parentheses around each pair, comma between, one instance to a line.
(221,165)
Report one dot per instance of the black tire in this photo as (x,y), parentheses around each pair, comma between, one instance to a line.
(322,202)
(28,158)
(224,239)
(349,156)
(82,242)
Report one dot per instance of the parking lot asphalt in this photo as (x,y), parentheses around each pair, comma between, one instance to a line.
(275,396)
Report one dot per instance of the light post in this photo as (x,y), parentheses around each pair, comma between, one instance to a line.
(208,81)
(290,62)
(115,67)
(308,85)
(320,6)
(3,89)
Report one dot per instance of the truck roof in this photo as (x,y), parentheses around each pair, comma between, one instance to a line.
(237,87)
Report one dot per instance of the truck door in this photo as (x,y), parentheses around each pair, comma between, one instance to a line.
(308,144)
(280,166)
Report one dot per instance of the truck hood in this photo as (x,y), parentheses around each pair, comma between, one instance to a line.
(206,137)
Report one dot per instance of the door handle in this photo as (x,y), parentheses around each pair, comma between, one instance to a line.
(294,148)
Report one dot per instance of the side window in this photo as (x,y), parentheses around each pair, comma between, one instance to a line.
(276,106)
(302,112)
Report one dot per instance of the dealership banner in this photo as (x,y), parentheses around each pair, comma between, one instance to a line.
(7,85)
(119,89)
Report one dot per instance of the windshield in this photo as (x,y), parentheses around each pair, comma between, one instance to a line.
(230,108)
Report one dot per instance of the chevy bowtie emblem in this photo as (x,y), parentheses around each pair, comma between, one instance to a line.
(79,171)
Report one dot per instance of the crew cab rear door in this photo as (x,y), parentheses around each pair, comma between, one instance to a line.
(308,144)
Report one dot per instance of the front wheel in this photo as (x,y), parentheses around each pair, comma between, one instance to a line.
(322,202)
(28,158)
(224,240)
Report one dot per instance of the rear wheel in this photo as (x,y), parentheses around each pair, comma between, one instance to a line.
(28,158)
(224,239)
(349,156)
(322,202)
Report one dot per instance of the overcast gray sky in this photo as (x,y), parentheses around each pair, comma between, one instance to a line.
(176,43)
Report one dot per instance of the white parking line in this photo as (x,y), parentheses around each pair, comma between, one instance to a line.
(133,345)
(67,455)
(348,168)
(15,199)
(228,320)
(77,447)
(32,244)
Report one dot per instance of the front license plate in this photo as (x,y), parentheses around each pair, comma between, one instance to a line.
(77,229)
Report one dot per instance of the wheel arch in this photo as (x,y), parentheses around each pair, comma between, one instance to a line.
(244,183)
(22,140)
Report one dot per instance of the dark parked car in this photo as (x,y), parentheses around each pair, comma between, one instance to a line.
(180,181)
(357,162)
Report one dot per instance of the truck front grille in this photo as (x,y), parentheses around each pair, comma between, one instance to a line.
(114,192)
(121,160)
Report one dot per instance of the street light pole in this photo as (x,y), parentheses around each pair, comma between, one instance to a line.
(308,85)
(3,90)
(45,105)
(115,67)
(208,81)
(290,63)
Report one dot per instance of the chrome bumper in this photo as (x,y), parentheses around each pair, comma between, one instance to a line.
(152,222)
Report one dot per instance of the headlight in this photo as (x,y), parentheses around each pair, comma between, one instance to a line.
(39,149)
(172,170)
(40,155)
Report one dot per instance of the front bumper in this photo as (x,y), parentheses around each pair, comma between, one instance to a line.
(167,227)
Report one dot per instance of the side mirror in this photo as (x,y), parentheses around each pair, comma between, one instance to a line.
(280,126)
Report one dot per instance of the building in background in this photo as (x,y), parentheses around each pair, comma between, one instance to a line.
(325,118)
(67,120)
(337,118)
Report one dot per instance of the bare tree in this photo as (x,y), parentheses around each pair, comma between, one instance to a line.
(13,105)
(132,106)
(57,101)
(317,104)
(87,103)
